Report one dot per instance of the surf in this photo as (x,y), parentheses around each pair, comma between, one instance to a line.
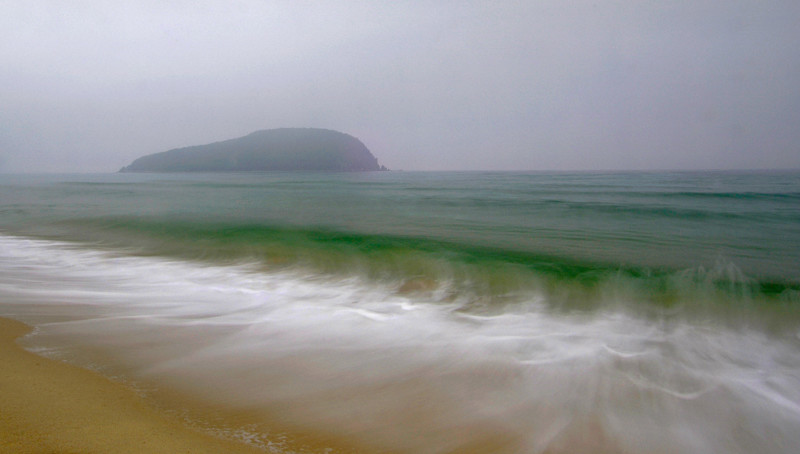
(407,370)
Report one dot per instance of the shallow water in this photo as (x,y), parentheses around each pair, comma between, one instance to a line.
(430,312)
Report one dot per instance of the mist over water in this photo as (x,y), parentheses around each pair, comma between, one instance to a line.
(431,313)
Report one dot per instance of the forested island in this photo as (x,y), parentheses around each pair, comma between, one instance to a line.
(284,149)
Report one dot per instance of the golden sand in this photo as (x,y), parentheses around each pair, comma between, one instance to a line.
(48,406)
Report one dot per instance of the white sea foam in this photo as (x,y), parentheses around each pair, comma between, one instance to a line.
(398,372)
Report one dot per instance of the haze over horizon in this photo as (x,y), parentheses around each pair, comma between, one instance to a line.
(90,86)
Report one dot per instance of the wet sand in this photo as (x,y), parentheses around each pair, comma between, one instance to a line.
(47,406)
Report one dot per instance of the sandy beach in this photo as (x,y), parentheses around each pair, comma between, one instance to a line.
(51,407)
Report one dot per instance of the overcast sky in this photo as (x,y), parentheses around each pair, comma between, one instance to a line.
(88,86)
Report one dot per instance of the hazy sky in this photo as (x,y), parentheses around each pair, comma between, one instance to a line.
(88,86)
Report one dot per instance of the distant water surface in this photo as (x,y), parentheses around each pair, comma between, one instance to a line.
(430,312)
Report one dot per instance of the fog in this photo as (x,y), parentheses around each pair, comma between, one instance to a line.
(88,86)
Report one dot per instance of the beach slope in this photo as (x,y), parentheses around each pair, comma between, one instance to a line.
(49,406)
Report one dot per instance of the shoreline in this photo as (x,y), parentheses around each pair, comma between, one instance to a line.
(50,406)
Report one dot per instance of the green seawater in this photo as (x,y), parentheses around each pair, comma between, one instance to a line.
(722,239)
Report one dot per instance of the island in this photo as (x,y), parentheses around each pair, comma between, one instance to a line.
(283,149)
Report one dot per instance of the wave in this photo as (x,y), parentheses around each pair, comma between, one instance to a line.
(479,278)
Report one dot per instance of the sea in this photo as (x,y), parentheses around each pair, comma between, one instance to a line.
(426,312)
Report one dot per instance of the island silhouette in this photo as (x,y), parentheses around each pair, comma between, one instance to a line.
(283,149)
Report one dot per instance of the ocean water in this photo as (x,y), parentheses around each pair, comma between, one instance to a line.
(427,312)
